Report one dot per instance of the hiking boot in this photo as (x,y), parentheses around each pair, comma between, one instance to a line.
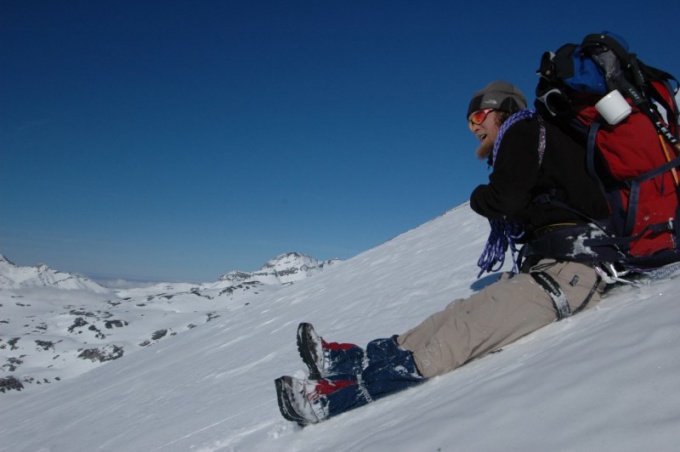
(329,360)
(306,401)
(311,348)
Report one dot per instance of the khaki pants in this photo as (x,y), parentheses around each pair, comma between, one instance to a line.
(503,312)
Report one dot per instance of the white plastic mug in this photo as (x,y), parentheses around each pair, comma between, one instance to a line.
(613,107)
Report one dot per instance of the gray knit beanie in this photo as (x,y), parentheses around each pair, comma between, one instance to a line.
(499,96)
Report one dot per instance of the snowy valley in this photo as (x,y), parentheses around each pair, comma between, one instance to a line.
(58,325)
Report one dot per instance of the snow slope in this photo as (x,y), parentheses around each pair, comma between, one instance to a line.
(605,380)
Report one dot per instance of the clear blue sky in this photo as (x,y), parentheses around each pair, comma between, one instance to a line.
(178,140)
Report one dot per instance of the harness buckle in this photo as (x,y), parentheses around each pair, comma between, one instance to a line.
(611,275)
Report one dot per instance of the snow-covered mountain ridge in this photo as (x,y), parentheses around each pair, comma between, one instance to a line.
(284,269)
(58,325)
(15,277)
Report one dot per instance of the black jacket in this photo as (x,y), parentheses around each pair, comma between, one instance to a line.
(517,182)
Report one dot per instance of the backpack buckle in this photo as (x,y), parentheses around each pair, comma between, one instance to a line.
(555,101)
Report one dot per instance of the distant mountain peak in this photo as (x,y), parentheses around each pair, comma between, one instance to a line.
(283,269)
(13,276)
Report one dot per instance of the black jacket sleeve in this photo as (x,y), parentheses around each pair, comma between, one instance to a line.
(510,190)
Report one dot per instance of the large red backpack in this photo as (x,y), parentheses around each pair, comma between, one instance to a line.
(634,160)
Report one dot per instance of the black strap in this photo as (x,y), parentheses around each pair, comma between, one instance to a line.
(555,292)
(560,301)
(598,281)
(646,105)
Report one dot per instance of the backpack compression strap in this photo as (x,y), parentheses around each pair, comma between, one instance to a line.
(634,188)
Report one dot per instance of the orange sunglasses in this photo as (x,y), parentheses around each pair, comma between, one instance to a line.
(478,117)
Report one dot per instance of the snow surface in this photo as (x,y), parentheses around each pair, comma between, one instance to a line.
(604,380)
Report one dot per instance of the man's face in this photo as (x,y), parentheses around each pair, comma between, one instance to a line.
(484,124)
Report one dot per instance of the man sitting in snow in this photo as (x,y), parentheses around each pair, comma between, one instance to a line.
(530,158)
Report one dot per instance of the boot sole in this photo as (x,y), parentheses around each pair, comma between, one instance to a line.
(305,354)
(283,387)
